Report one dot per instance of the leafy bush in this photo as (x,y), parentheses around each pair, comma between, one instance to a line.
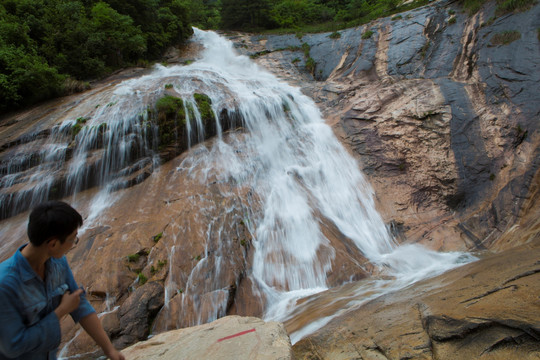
(133,257)
(26,78)
(424,49)
(142,278)
(306,48)
(311,65)
(157,237)
(503,6)
(508,6)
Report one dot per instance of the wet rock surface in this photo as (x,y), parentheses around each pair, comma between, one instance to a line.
(484,310)
(430,111)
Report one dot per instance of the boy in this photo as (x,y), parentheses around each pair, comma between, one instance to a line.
(37,289)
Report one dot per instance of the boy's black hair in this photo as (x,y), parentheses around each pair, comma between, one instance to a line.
(52,219)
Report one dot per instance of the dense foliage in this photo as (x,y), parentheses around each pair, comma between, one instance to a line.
(49,46)
(45,45)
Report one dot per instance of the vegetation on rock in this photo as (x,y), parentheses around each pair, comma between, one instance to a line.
(367,34)
(505,37)
(171,118)
(335,35)
(204,104)
(503,6)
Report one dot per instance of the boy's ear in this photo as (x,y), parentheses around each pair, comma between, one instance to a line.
(53,243)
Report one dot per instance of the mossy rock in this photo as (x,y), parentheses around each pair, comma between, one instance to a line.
(171,119)
(77,127)
(204,103)
(170,105)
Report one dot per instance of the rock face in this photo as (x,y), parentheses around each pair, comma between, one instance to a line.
(485,310)
(443,119)
(231,337)
(488,309)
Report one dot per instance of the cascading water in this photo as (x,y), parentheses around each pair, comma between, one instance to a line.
(290,159)
(301,175)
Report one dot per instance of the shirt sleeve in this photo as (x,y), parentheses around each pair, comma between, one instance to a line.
(84,308)
(16,338)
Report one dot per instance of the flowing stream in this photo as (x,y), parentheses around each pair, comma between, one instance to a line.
(287,155)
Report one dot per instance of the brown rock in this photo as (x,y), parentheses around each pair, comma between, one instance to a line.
(229,338)
(138,312)
(486,309)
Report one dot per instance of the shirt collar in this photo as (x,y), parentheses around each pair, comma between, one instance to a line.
(27,273)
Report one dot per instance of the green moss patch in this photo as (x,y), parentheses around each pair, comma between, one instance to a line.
(204,103)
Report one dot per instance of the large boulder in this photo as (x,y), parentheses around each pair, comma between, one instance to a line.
(229,338)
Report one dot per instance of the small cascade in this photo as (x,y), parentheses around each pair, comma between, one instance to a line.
(112,139)
(93,144)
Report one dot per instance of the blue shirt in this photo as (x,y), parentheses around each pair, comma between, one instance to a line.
(29,329)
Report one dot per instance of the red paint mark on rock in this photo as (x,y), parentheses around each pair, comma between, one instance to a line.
(235,335)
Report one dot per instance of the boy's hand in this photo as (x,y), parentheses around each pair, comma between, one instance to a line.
(115,355)
(69,302)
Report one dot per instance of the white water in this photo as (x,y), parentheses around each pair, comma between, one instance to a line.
(291,159)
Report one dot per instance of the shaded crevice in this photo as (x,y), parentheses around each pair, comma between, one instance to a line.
(444,328)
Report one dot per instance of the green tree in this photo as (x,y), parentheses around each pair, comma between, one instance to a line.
(295,13)
(25,78)
(113,37)
(204,14)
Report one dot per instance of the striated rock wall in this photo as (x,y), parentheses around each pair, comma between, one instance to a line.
(445,123)
(442,118)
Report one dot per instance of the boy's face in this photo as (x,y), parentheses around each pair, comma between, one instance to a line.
(59,249)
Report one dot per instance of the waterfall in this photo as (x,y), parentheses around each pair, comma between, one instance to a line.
(300,175)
